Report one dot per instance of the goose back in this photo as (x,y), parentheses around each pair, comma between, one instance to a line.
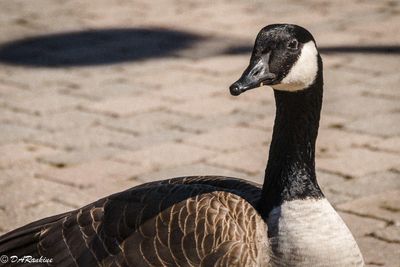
(189,221)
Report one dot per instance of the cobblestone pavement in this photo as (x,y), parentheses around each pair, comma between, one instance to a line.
(99,96)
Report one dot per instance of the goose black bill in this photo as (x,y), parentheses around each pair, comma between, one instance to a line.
(256,74)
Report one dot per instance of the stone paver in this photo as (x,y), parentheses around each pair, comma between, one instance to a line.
(226,139)
(368,185)
(378,252)
(19,153)
(196,108)
(250,160)
(329,182)
(384,124)
(384,206)
(390,144)
(357,162)
(391,234)
(195,125)
(362,107)
(343,140)
(165,155)
(42,104)
(63,159)
(11,133)
(99,170)
(81,138)
(61,121)
(124,106)
(190,170)
(84,116)
(146,123)
(362,226)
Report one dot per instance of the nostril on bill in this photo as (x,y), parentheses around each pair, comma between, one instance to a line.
(255,73)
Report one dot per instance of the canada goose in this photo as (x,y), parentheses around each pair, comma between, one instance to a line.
(219,221)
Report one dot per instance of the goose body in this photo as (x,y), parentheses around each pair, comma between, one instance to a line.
(218,221)
(188,221)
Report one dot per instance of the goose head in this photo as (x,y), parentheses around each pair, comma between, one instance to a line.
(284,57)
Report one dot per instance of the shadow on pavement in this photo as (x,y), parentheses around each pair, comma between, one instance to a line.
(95,47)
(372,49)
(109,46)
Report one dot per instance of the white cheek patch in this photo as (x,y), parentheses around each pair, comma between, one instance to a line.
(303,72)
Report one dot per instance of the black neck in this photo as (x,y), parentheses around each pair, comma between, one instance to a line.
(290,172)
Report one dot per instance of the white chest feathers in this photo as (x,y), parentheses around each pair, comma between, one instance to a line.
(303,72)
(310,233)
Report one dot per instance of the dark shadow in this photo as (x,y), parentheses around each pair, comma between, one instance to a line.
(373,49)
(95,47)
(110,46)
(238,50)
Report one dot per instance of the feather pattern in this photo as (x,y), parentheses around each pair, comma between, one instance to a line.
(188,221)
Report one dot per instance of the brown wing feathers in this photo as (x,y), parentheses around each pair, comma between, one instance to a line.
(196,221)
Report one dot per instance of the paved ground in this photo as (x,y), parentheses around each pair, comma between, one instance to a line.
(99,96)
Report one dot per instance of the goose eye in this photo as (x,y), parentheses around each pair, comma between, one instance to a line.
(293,44)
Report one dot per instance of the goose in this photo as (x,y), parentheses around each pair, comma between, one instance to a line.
(213,220)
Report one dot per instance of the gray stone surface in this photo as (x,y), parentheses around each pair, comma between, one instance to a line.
(386,125)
